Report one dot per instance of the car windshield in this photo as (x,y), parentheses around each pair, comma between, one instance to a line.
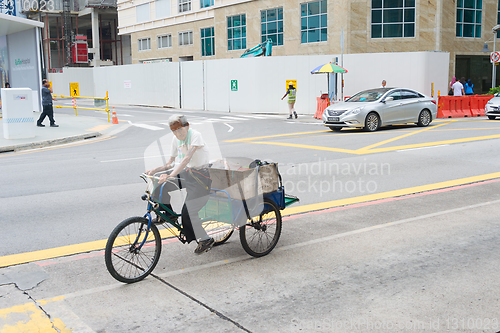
(368,95)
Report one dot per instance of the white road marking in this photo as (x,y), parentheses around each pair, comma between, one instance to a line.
(233,118)
(133,158)
(421,148)
(231,128)
(254,117)
(149,127)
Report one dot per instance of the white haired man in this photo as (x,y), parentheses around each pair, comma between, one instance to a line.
(189,160)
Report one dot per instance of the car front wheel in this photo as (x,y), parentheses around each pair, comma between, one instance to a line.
(424,118)
(372,122)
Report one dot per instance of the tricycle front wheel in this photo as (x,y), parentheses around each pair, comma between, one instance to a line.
(260,235)
(219,231)
(132,251)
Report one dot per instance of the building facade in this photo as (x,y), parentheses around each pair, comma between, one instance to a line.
(183,30)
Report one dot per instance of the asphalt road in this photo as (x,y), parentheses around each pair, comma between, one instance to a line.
(364,253)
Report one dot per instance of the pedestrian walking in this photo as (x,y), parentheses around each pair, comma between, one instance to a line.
(291,92)
(383,84)
(453,80)
(458,88)
(469,87)
(47,111)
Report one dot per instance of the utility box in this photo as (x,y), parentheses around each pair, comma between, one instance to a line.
(17,113)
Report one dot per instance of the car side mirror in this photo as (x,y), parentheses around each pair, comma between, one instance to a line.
(388,99)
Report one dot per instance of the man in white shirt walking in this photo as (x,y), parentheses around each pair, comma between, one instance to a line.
(458,88)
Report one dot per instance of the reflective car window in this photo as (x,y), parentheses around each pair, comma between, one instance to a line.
(395,94)
(405,94)
(368,95)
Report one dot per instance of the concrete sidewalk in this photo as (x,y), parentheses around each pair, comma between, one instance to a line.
(71,128)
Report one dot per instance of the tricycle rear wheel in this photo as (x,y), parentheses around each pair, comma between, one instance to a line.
(260,235)
(132,251)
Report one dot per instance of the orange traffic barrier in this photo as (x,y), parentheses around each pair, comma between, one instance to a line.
(443,107)
(462,106)
(483,99)
(114,119)
(322,104)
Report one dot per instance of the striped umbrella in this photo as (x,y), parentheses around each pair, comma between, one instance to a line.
(329,68)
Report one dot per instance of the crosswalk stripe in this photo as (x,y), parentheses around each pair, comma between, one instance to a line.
(263,116)
(200,120)
(149,127)
(234,118)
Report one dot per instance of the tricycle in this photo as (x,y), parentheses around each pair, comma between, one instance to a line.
(134,246)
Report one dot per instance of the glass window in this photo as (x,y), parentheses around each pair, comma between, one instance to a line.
(162,8)
(395,94)
(142,12)
(207,42)
(469,18)
(393,18)
(272,25)
(144,44)
(206,3)
(184,5)
(164,41)
(186,38)
(236,32)
(406,94)
(313,22)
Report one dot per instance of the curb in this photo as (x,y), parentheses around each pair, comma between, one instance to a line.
(48,143)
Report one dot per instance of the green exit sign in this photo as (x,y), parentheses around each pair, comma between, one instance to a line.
(234,85)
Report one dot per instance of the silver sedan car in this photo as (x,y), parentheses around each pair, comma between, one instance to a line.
(492,108)
(373,108)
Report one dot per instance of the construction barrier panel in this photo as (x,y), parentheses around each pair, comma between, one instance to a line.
(322,104)
(462,106)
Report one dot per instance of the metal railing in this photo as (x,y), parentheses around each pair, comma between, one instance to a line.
(75,107)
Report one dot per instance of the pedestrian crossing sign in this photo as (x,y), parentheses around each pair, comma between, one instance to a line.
(74,89)
(234,85)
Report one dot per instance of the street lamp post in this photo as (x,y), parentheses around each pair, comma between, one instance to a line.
(494,72)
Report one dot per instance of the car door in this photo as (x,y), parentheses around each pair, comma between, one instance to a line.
(390,110)
(411,106)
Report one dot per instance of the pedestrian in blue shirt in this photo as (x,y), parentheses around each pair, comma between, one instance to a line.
(469,87)
(48,111)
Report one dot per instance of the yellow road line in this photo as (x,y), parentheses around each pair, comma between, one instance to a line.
(371,148)
(432,144)
(389,194)
(21,258)
(99,128)
(340,150)
(274,136)
(59,146)
(29,317)
(400,137)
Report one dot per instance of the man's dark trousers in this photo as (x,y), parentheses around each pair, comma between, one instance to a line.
(48,111)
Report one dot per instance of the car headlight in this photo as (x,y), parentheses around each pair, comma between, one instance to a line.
(354,111)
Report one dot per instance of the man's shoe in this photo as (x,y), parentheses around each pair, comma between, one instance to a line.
(290,117)
(54,125)
(40,125)
(204,246)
